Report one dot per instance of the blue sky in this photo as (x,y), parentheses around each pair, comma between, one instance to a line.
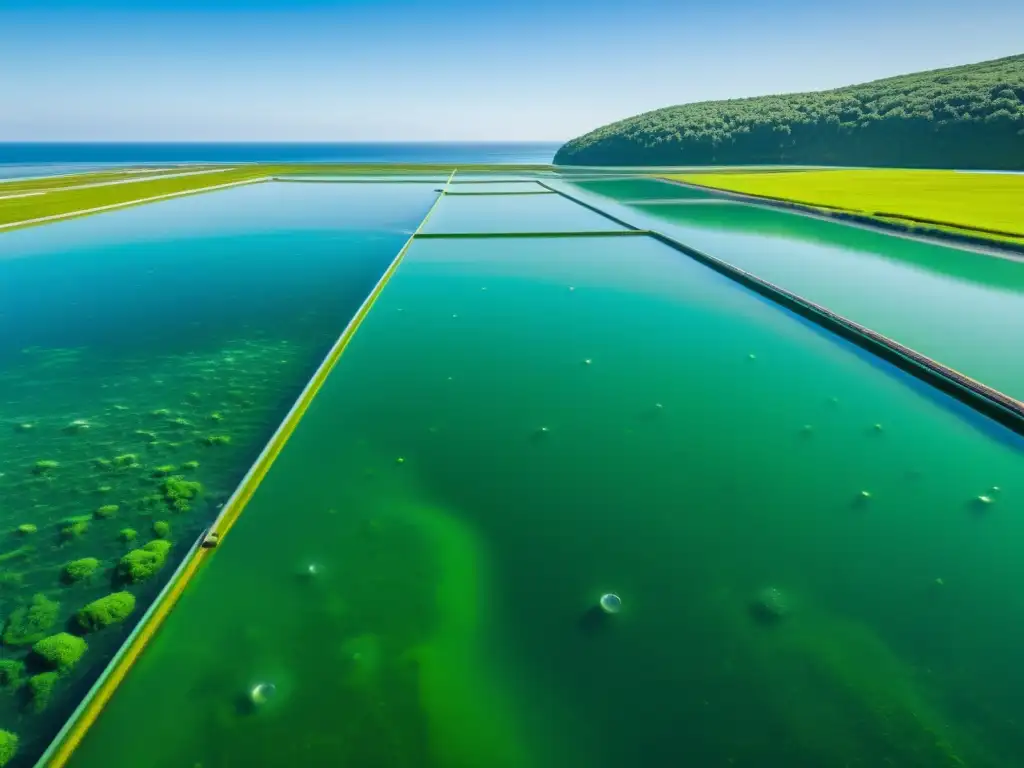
(446,70)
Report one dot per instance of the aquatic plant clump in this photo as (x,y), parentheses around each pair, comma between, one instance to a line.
(125,461)
(40,689)
(11,671)
(61,652)
(30,623)
(127,534)
(179,492)
(27,529)
(107,510)
(212,440)
(8,747)
(112,609)
(140,564)
(74,530)
(77,570)
(161,529)
(44,467)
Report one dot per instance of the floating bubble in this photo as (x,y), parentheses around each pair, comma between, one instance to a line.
(610,603)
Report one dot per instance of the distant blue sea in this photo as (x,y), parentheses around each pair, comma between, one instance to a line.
(32,159)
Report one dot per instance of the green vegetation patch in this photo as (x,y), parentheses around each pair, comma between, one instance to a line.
(74,530)
(162,529)
(80,569)
(44,466)
(984,201)
(961,117)
(125,461)
(30,623)
(127,534)
(40,688)
(140,564)
(179,493)
(27,529)
(8,747)
(112,609)
(60,652)
(107,510)
(11,671)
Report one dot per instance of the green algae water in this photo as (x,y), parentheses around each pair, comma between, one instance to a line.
(815,554)
(145,358)
(964,309)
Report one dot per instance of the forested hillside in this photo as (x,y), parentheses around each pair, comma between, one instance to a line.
(962,117)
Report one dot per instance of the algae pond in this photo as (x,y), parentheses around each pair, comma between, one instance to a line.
(815,554)
(146,356)
(962,308)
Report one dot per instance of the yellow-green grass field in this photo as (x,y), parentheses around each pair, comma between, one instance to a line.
(968,202)
(29,200)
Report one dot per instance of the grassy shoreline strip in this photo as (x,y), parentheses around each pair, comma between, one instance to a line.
(982,203)
(124,204)
(945,234)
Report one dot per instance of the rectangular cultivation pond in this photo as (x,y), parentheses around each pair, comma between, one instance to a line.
(962,308)
(146,356)
(581,502)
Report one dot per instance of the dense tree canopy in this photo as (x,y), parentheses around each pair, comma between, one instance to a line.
(962,117)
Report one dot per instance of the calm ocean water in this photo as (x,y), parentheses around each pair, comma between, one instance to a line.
(18,160)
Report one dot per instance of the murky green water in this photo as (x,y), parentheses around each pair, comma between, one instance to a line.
(523,425)
(145,357)
(962,308)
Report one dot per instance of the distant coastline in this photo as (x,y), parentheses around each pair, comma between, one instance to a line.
(23,159)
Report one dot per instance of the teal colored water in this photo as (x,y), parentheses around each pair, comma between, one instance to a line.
(630,189)
(492,187)
(146,356)
(962,308)
(808,573)
(514,213)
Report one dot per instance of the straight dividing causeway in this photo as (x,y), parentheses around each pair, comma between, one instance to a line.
(509,235)
(126,203)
